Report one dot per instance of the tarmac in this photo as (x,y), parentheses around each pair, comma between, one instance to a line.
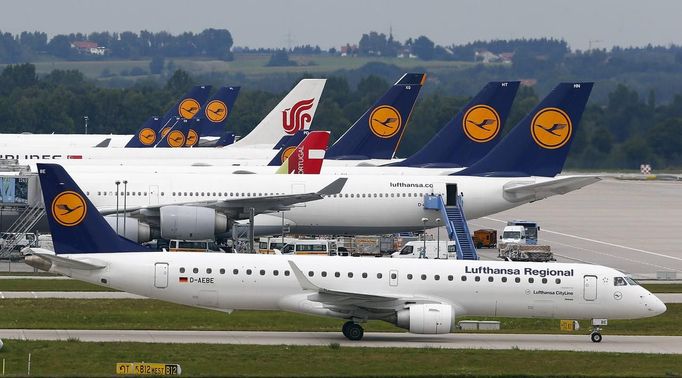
(633,226)
(619,344)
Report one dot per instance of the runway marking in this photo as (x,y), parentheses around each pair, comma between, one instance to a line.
(598,241)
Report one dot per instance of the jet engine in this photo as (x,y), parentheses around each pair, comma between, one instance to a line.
(134,229)
(427,318)
(191,223)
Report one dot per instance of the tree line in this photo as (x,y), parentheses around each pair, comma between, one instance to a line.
(622,133)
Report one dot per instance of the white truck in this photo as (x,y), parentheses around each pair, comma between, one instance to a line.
(434,250)
(513,246)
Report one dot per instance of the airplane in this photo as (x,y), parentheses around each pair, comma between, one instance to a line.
(423,297)
(41,142)
(256,145)
(519,170)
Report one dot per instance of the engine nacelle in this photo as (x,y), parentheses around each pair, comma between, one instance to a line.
(427,318)
(134,229)
(191,223)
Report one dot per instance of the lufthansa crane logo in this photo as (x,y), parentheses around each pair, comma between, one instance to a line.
(176,138)
(216,111)
(385,121)
(69,209)
(551,128)
(192,138)
(188,108)
(147,136)
(287,152)
(165,131)
(481,123)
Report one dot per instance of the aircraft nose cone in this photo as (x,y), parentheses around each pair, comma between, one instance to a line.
(655,305)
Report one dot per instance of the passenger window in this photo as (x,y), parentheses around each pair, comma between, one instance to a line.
(504,279)
(248,272)
(324,274)
(195,270)
(491,279)
(262,272)
(558,281)
(619,281)
(450,278)
(464,278)
(222,271)
(436,277)
(337,274)
(310,273)
(423,277)
(350,274)
(286,273)
(544,280)
(477,278)
(235,271)
(394,276)
(208,270)
(364,275)
(379,275)
(409,276)
(531,280)
(182,270)
(517,279)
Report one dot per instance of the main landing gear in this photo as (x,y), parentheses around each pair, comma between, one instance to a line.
(352,330)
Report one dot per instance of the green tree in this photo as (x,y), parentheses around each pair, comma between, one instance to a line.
(423,48)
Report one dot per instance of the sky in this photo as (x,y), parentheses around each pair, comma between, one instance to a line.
(284,23)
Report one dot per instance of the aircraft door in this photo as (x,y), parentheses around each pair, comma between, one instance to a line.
(451,194)
(161,275)
(393,278)
(590,291)
(153,194)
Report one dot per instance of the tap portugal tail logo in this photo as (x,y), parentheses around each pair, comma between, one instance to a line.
(69,209)
(296,118)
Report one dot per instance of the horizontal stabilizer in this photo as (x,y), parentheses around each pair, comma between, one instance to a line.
(519,191)
(65,262)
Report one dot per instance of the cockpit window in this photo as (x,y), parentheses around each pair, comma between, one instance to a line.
(631,281)
(619,281)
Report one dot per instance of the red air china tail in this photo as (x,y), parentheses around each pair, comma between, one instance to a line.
(307,157)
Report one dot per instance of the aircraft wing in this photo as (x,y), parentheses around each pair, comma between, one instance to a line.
(354,303)
(239,208)
(520,191)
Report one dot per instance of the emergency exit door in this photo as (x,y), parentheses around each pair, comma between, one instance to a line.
(590,290)
(161,275)
(393,278)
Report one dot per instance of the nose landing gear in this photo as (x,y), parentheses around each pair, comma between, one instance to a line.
(595,335)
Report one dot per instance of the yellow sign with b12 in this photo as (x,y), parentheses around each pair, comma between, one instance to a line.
(147,368)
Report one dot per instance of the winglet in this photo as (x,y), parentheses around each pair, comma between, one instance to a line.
(302,280)
(333,188)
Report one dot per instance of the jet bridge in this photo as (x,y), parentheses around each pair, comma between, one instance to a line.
(456,223)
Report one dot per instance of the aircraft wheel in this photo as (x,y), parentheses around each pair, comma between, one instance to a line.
(354,332)
(595,337)
(345,327)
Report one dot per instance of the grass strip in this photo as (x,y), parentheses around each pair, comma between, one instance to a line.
(75,358)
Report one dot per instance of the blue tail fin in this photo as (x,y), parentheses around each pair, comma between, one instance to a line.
(216,111)
(75,223)
(288,144)
(146,136)
(377,134)
(183,134)
(226,139)
(472,133)
(539,144)
(187,107)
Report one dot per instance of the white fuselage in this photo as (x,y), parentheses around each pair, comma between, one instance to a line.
(366,204)
(267,282)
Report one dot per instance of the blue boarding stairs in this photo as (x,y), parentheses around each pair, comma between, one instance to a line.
(456,224)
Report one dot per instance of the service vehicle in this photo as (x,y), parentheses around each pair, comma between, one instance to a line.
(485,238)
(434,250)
